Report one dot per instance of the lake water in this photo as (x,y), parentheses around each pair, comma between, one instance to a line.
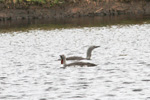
(48,24)
(30,70)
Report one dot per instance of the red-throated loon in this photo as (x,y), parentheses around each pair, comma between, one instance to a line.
(63,61)
(88,54)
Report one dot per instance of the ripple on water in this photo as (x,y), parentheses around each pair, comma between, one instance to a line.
(107,81)
(32,69)
(80,85)
(9,97)
(147,98)
(146,80)
(128,82)
(110,95)
(148,65)
(108,63)
(137,90)
(78,96)
(43,99)
(2,78)
(49,83)
(51,89)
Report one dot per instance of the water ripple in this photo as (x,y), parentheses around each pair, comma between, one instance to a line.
(29,69)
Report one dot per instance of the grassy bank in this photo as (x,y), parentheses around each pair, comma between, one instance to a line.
(51,3)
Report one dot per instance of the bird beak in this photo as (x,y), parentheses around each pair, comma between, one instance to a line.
(61,57)
(97,46)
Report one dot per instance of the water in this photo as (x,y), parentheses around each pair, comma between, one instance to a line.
(48,24)
(30,70)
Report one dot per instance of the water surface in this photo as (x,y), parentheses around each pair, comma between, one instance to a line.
(30,70)
(49,24)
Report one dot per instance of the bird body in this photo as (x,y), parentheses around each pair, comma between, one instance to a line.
(63,61)
(81,64)
(75,58)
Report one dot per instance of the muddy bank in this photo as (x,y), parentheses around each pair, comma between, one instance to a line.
(76,10)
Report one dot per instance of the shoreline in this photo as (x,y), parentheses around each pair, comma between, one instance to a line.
(111,8)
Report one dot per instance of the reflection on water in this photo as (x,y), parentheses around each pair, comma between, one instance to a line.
(29,69)
(72,22)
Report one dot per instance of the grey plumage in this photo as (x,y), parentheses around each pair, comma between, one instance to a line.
(88,54)
(75,58)
(63,61)
(81,64)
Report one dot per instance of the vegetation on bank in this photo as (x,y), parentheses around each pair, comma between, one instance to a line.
(50,3)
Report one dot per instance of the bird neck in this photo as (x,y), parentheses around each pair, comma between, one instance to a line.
(88,54)
(63,61)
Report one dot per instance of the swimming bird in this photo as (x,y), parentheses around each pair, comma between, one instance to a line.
(63,61)
(88,54)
